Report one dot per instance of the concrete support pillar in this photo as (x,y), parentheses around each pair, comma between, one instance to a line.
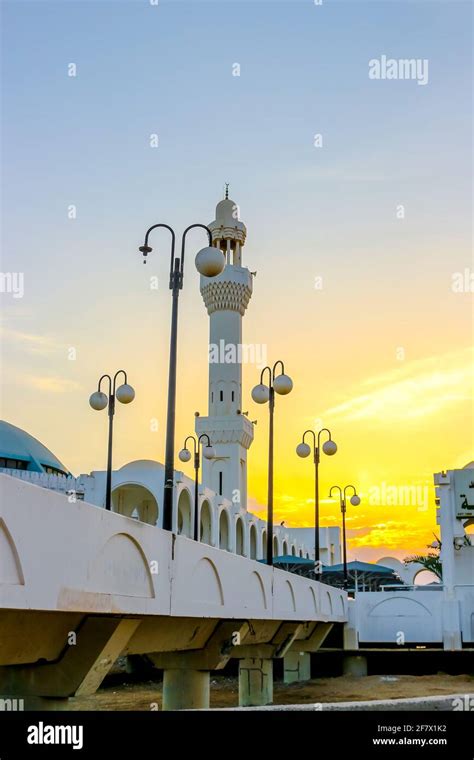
(296,667)
(451,617)
(255,682)
(354,665)
(351,635)
(185,689)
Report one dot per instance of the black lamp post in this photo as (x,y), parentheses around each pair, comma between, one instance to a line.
(304,450)
(355,501)
(185,456)
(281,384)
(98,401)
(210,262)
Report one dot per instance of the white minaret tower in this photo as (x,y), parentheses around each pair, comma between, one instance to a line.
(226,298)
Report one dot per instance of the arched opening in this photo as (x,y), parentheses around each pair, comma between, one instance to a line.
(285,547)
(275,546)
(425,578)
(263,552)
(253,542)
(206,523)
(301,553)
(184,514)
(224,530)
(239,536)
(133,500)
(293,551)
(469,530)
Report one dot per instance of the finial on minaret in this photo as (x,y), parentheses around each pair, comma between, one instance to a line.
(227,191)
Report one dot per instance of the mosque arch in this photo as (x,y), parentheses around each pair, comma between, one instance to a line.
(239,537)
(185,514)
(275,546)
(134,500)
(253,541)
(224,530)
(206,522)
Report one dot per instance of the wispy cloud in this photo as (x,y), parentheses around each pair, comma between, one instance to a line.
(415,389)
(52,384)
(35,344)
(391,535)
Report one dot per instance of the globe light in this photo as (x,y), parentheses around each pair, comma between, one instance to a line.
(184,455)
(98,401)
(283,384)
(125,394)
(303,450)
(355,500)
(260,393)
(210,261)
(209,452)
(329,447)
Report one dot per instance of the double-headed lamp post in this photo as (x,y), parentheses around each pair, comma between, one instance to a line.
(185,456)
(210,262)
(355,501)
(98,401)
(281,384)
(303,450)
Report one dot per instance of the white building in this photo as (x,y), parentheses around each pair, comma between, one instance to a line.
(440,614)
(137,488)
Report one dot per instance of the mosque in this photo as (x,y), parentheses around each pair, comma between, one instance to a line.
(137,487)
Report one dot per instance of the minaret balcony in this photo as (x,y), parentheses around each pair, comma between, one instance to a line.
(235,429)
(229,291)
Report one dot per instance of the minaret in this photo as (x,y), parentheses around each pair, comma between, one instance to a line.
(226,298)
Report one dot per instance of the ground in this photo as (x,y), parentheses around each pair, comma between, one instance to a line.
(224,691)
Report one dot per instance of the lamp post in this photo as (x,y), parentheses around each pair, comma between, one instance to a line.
(355,501)
(98,401)
(185,456)
(210,262)
(304,450)
(281,384)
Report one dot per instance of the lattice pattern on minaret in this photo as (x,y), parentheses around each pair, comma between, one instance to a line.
(226,296)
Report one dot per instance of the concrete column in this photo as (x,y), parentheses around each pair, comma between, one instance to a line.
(255,682)
(185,689)
(354,665)
(350,631)
(296,667)
(451,617)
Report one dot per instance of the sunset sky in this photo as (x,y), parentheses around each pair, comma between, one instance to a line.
(360,299)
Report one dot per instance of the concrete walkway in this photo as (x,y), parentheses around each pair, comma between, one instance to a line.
(446,702)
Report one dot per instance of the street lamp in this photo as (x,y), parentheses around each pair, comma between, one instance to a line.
(185,456)
(98,401)
(303,450)
(355,501)
(209,262)
(281,384)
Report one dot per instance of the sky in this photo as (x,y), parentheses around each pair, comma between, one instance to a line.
(118,115)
